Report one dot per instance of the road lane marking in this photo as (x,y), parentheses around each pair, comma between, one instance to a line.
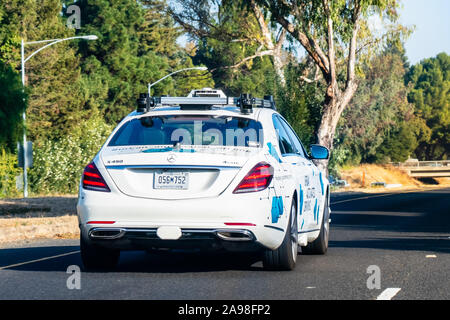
(430,256)
(39,260)
(363,198)
(377,196)
(388,294)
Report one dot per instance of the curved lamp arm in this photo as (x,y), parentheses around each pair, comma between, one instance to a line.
(91,37)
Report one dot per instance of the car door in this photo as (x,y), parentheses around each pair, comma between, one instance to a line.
(287,158)
(304,175)
(296,166)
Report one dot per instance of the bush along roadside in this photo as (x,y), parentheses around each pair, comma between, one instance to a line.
(8,174)
(58,164)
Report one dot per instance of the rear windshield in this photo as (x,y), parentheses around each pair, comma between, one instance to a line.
(189,130)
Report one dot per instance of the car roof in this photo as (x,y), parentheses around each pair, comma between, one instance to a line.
(233,111)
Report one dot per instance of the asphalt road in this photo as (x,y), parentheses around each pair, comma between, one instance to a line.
(407,236)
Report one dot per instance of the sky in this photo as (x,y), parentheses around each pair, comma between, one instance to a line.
(432,28)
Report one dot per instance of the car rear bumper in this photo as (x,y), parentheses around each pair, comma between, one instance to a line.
(237,240)
(203,222)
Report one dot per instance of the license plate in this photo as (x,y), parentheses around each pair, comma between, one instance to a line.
(171,180)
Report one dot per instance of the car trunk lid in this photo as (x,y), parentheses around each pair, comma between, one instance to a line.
(208,170)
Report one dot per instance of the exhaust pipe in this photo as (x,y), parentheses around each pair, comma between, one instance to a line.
(235,235)
(106,233)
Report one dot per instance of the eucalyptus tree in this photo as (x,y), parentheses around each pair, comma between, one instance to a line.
(329,32)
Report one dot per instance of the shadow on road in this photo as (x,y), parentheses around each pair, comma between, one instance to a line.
(409,221)
(404,244)
(131,261)
(38,207)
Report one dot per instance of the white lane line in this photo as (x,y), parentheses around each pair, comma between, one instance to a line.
(388,294)
(431,256)
(377,196)
(361,198)
(38,260)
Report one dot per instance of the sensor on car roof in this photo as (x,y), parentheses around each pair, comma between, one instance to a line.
(205,99)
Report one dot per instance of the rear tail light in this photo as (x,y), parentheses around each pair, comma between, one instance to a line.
(257,179)
(93,180)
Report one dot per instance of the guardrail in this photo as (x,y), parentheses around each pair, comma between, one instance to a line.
(442,163)
(424,169)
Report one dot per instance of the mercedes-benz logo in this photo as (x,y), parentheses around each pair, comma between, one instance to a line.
(171,158)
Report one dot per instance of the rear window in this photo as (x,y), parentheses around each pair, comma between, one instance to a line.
(190,130)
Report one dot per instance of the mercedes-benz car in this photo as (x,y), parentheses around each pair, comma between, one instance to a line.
(204,172)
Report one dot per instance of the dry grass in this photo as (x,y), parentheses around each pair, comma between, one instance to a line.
(19,229)
(38,218)
(361,177)
(443,181)
(374,173)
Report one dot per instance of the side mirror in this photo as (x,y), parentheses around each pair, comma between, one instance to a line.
(319,152)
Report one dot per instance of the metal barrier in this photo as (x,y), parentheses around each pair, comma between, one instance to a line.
(424,169)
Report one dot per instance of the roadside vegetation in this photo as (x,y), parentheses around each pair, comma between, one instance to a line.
(367,102)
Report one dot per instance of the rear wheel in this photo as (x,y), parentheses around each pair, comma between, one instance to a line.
(320,245)
(285,257)
(97,258)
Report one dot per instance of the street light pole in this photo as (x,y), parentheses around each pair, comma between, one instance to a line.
(23,61)
(24,159)
(150,85)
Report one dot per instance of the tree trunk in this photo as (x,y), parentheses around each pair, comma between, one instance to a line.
(269,43)
(335,103)
(279,66)
(326,131)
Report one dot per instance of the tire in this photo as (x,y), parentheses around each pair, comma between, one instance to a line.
(285,257)
(97,258)
(320,245)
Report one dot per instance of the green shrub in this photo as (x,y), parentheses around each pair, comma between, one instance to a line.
(8,174)
(58,165)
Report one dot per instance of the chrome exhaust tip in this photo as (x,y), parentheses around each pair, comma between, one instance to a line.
(106,233)
(235,235)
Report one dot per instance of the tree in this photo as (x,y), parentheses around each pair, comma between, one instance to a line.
(399,144)
(256,76)
(129,53)
(326,29)
(430,93)
(379,112)
(12,104)
(241,24)
(159,34)
(300,103)
(52,76)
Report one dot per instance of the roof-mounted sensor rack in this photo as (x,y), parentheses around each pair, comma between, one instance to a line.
(205,99)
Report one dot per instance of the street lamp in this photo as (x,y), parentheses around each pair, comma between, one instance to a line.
(150,85)
(23,61)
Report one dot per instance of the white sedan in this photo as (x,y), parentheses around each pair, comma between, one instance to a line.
(204,172)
